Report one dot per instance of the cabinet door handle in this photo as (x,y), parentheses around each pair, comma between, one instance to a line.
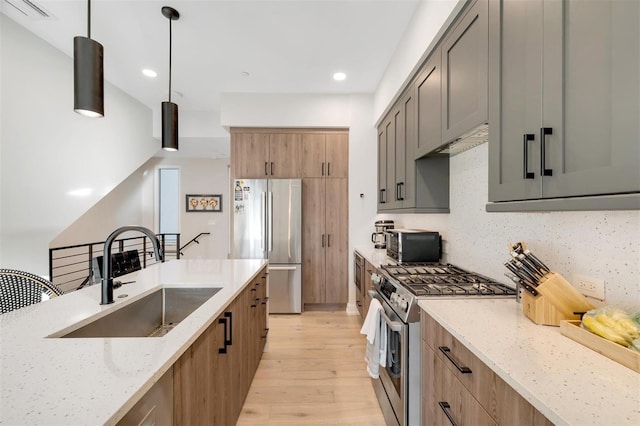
(223,350)
(323,168)
(329,169)
(272,168)
(265,300)
(382,193)
(447,352)
(322,240)
(400,197)
(444,405)
(266,173)
(526,173)
(266,332)
(328,240)
(230,316)
(544,131)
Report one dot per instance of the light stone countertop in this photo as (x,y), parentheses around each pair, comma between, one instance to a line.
(47,381)
(375,256)
(567,382)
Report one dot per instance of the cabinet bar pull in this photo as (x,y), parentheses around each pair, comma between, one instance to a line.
(544,131)
(322,240)
(400,196)
(266,173)
(323,168)
(272,168)
(328,240)
(526,173)
(329,169)
(445,407)
(230,316)
(223,350)
(265,300)
(382,193)
(266,332)
(447,352)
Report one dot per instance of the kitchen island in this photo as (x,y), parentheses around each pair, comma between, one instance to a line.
(568,383)
(81,381)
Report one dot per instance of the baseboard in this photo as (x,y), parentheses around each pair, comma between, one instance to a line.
(324,306)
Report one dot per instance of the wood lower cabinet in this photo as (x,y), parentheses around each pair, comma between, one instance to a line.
(212,378)
(324,240)
(366,286)
(457,387)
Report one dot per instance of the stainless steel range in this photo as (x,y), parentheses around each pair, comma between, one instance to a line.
(399,287)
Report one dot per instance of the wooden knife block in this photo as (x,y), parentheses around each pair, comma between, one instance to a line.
(557,300)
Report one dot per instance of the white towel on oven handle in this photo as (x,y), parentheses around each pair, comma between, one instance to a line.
(374,327)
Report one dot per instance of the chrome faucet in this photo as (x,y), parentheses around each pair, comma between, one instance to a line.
(107,280)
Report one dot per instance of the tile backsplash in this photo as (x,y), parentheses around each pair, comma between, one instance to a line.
(599,244)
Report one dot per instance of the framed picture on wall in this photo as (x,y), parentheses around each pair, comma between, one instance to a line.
(204,203)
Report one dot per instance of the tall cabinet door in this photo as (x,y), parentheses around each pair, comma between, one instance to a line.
(515,104)
(591,98)
(313,240)
(336,213)
(382,167)
(429,107)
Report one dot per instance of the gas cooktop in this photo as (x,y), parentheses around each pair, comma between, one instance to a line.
(435,279)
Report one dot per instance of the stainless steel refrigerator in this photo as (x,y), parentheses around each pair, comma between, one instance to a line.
(267,224)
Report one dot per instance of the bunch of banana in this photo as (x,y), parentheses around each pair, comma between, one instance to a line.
(614,325)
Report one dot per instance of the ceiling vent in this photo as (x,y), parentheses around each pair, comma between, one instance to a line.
(28,8)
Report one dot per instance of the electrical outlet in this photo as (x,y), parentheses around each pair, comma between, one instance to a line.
(589,286)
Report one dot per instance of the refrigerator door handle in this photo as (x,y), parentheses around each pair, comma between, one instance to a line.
(263,209)
(282,268)
(270,219)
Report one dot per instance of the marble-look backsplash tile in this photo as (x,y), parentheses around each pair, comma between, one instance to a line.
(600,244)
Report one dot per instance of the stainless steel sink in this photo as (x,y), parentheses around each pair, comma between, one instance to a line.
(152,316)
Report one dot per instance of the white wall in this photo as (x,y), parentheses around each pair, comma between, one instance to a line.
(48,150)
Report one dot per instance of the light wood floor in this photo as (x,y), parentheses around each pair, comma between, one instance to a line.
(313,373)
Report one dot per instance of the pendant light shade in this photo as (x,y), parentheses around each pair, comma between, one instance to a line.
(169,126)
(88,73)
(170,109)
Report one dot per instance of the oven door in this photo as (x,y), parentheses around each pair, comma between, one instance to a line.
(393,376)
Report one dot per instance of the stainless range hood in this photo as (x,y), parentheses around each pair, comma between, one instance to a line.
(468,140)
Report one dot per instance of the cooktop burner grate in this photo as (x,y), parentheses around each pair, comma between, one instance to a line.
(444,280)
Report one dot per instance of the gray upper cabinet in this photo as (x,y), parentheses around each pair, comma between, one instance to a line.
(382,166)
(564,105)
(464,73)
(429,106)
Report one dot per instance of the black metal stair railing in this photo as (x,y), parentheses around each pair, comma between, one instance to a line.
(193,240)
(71,267)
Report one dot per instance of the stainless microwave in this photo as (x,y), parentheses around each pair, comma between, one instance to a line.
(414,245)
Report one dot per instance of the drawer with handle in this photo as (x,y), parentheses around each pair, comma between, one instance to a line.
(463,364)
(445,400)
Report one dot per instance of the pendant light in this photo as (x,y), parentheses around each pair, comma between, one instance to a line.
(169,109)
(88,75)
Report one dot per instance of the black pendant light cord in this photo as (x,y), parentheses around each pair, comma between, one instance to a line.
(170,60)
(89,19)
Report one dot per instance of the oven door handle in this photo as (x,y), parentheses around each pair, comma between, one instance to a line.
(393,325)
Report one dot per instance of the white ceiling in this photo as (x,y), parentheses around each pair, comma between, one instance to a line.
(289,46)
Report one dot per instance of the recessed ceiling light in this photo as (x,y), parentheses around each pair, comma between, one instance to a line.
(244,74)
(149,73)
(339,76)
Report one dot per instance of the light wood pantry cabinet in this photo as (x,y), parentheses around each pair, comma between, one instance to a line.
(324,241)
(458,388)
(464,72)
(325,154)
(564,104)
(212,378)
(265,153)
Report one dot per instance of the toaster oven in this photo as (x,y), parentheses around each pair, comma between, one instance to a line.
(414,245)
